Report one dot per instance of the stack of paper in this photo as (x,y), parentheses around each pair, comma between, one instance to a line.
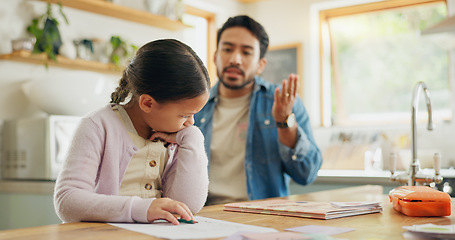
(319,210)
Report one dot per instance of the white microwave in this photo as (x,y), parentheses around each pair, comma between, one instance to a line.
(35,148)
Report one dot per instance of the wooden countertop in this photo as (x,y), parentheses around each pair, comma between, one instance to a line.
(385,225)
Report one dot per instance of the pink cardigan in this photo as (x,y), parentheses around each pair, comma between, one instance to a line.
(88,185)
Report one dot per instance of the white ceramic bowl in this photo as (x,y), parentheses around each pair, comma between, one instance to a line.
(70,93)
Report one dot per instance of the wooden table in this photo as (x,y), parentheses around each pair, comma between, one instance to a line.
(385,225)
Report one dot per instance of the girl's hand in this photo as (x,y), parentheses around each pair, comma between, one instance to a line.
(162,208)
(167,137)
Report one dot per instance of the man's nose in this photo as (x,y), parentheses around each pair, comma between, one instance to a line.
(236,58)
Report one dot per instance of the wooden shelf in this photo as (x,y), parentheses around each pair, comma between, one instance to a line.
(117,11)
(63,62)
(102,7)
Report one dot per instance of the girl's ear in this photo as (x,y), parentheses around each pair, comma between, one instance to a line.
(146,103)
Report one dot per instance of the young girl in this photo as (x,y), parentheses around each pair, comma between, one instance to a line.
(143,160)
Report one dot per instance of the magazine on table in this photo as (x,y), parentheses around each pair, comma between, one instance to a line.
(306,209)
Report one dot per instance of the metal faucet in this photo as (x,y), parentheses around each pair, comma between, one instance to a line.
(415,176)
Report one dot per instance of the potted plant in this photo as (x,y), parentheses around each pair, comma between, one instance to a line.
(45,29)
(121,51)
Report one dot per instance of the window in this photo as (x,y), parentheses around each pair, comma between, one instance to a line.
(374,56)
(197,35)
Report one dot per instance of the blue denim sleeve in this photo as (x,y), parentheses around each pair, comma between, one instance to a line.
(303,161)
(301,148)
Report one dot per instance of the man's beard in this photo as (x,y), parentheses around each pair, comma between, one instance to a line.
(235,87)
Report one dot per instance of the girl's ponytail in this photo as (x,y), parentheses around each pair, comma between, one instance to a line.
(122,91)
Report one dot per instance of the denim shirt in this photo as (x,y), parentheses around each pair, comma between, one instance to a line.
(268,162)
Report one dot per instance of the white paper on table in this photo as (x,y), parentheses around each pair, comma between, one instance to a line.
(205,228)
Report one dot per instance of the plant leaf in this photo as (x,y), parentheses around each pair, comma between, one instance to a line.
(62,13)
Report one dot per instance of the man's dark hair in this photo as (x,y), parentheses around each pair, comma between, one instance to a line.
(254,27)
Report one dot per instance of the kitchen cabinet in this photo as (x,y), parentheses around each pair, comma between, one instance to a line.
(21,210)
(101,7)
(26,204)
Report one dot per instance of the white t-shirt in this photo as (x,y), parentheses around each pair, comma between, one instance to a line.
(227,179)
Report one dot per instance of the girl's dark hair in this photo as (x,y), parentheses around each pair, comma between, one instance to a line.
(167,70)
(254,27)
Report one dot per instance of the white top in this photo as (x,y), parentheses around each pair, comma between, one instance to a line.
(227,178)
(143,174)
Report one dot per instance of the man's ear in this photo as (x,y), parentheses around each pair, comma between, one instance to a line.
(214,56)
(262,64)
(146,103)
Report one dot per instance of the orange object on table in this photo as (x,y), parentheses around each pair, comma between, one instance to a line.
(420,201)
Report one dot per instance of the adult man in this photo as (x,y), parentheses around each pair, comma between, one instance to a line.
(256,134)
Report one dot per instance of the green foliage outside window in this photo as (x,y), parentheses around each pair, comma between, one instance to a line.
(379,56)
